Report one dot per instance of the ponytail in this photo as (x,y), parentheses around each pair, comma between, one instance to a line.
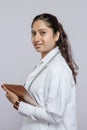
(66,52)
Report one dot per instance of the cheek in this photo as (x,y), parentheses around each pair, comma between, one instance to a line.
(49,40)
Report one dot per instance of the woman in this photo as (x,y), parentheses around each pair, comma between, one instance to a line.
(52,82)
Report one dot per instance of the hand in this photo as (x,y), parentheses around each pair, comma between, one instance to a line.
(12,97)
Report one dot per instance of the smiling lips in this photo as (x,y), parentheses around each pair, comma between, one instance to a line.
(38,44)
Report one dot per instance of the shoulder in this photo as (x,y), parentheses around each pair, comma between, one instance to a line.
(59,68)
(59,65)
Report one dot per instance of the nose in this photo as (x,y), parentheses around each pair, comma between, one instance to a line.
(37,38)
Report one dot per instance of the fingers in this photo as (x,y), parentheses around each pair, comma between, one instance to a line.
(7,94)
(6,90)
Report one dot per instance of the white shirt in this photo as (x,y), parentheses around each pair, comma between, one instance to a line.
(55,92)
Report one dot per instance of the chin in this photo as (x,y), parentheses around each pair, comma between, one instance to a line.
(38,50)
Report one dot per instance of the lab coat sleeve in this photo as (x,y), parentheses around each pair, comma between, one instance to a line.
(58,95)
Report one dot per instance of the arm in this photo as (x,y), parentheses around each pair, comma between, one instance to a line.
(38,113)
(58,96)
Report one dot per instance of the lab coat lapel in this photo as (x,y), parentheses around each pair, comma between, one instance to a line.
(40,69)
(33,76)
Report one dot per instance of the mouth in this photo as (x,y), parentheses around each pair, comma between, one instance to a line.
(37,45)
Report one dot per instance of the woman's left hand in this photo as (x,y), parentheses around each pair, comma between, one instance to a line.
(12,97)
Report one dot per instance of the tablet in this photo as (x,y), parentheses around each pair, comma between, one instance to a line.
(21,92)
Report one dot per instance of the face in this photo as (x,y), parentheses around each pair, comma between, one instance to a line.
(43,37)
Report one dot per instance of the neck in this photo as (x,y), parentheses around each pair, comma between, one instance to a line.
(45,53)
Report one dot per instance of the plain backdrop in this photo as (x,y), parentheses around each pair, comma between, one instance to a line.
(18,57)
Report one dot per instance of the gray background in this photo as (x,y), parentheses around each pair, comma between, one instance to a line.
(18,57)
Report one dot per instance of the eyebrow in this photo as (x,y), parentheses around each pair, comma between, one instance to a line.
(43,29)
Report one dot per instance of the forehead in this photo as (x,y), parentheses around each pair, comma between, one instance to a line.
(40,24)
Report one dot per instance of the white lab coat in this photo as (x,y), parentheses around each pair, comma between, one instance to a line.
(55,92)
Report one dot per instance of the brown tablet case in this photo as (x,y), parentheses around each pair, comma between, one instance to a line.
(21,92)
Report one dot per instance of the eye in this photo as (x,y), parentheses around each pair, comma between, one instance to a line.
(42,33)
(33,33)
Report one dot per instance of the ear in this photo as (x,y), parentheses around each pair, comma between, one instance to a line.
(57,36)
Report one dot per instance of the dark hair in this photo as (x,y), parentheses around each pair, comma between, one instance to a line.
(62,42)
